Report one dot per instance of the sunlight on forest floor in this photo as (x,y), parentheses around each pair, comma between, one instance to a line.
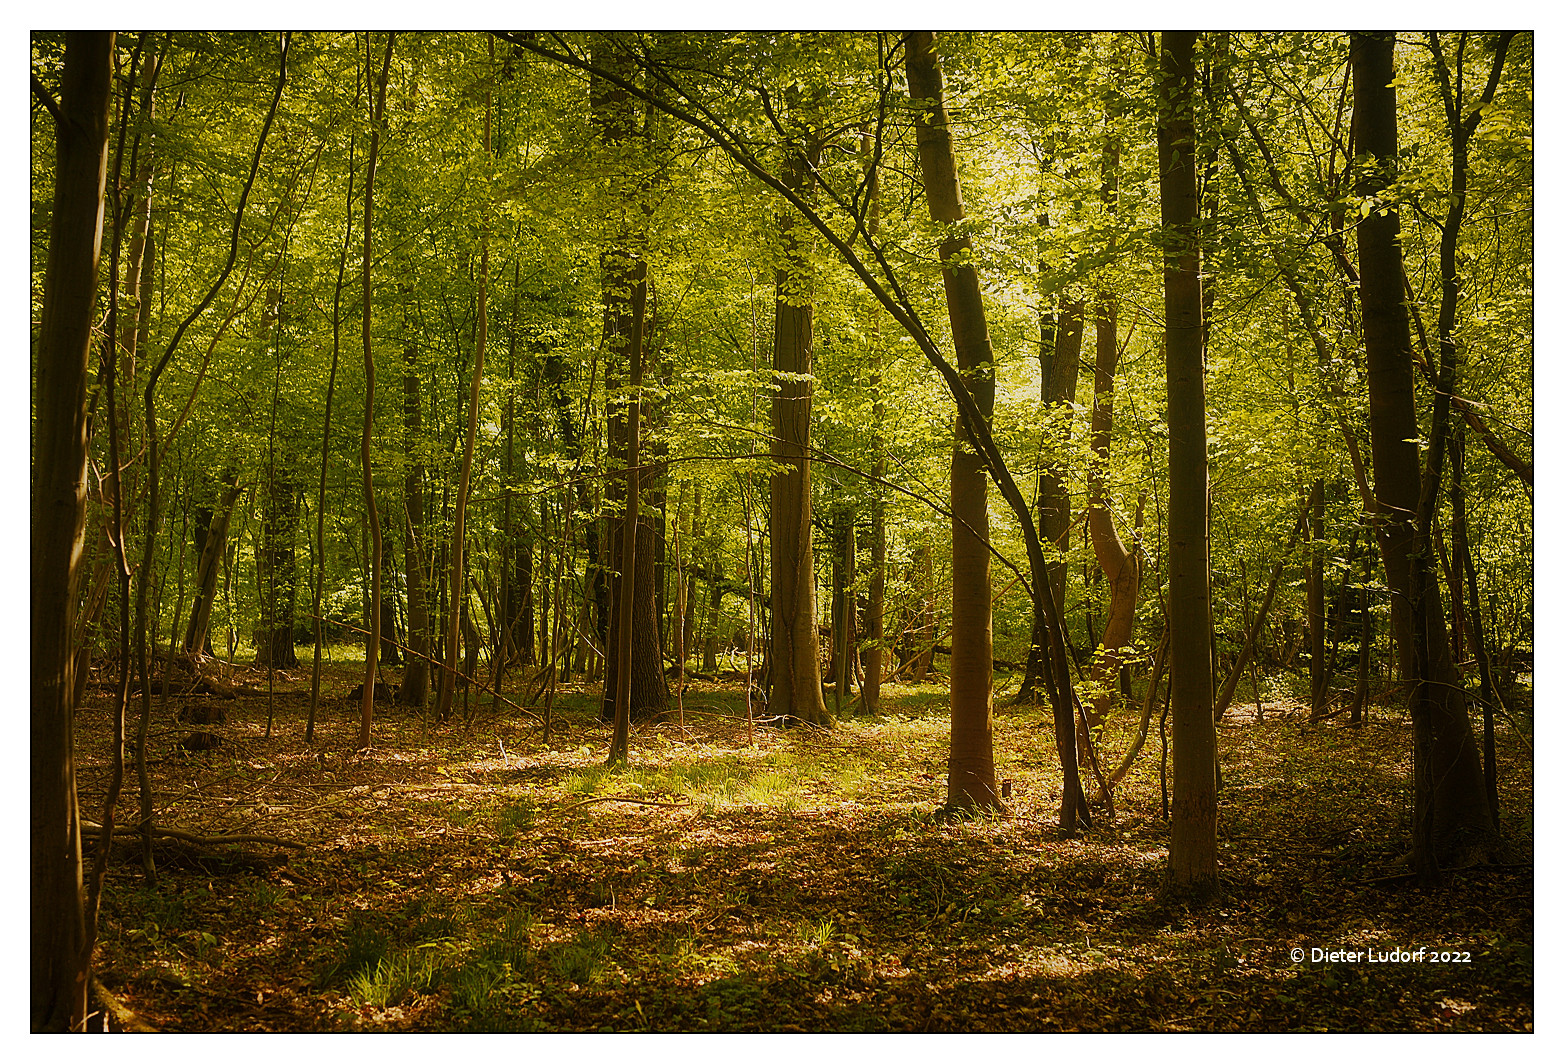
(474,877)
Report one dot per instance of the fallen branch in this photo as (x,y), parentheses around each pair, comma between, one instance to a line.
(198,840)
(632,801)
(126,1020)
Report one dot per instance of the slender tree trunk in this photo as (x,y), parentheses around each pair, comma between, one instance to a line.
(372,562)
(325,440)
(59,962)
(414,690)
(1059,357)
(1118,565)
(971,783)
(1192,835)
(1463,567)
(1318,703)
(274,553)
(458,570)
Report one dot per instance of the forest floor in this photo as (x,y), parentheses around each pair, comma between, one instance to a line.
(475,876)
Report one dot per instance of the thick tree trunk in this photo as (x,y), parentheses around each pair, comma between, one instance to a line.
(1450,814)
(59,960)
(1192,835)
(796,693)
(971,783)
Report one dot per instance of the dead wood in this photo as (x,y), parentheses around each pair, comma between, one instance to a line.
(198,840)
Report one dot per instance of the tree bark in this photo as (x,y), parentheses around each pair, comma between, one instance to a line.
(630,536)
(1059,358)
(458,553)
(414,689)
(796,692)
(971,783)
(1318,703)
(59,960)
(1192,835)
(1118,564)
(372,562)
(1450,814)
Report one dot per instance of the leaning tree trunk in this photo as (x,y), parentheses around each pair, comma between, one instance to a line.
(971,783)
(1192,834)
(1450,813)
(59,961)
(214,542)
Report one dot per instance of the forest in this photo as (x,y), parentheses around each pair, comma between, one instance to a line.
(761,532)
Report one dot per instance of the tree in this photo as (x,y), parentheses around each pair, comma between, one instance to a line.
(971,776)
(61,940)
(1192,838)
(372,641)
(1450,814)
(796,691)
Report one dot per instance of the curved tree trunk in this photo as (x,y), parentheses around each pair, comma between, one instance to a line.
(1119,565)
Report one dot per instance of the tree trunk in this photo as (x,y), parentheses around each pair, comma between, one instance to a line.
(198,638)
(1192,835)
(1450,814)
(1059,358)
(713,617)
(59,958)
(1318,703)
(1118,565)
(372,561)
(458,555)
(414,690)
(971,783)
(275,563)
(796,693)
(631,645)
